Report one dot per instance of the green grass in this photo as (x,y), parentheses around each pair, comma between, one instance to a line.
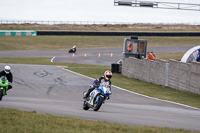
(168,56)
(15,121)
(65,42)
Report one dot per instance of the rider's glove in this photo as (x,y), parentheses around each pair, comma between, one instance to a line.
(94,85)
(108,97)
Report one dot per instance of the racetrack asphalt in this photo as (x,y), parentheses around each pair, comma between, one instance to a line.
(91,54)
(54,90)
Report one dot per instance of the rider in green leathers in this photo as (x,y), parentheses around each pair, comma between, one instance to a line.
(4,83)
(7,72)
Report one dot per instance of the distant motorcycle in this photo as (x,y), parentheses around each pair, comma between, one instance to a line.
(96,97)
(73,49)
(3,86)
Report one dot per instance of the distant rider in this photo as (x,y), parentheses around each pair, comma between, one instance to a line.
(6,72)
(74,48)
(105,80)
(198,56)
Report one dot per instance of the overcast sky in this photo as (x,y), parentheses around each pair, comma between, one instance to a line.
(93,10)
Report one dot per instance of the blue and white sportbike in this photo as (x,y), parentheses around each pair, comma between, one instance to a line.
(96,97)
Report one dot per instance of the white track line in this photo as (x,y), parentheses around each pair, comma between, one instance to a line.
(135,92)
(53,59)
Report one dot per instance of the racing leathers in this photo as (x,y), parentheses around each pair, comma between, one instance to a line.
(9,76)
(96,83)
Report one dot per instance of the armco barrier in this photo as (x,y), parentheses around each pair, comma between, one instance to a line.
(17,33)
(99,33)
(175,74)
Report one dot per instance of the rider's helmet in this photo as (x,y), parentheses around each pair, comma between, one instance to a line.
(7,69)
(108,75)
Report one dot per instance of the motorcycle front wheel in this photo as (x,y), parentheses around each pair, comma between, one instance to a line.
(98,104)
(1,94)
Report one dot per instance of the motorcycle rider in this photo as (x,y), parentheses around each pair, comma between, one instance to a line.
(105,80)
(73,49)
(6,72)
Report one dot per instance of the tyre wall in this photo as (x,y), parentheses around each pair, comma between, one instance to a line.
(110,33)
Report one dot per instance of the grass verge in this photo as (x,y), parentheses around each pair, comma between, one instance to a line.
(13,120)
(168,56)
(13,43)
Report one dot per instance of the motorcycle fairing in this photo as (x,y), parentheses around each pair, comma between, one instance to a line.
(93,95)
(105,90)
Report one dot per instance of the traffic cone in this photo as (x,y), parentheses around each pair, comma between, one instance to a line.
(84,55)
(73,55)
(99,55)
(111,55)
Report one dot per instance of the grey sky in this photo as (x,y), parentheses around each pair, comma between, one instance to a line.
(93,10)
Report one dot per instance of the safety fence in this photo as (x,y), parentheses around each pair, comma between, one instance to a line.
(46,22)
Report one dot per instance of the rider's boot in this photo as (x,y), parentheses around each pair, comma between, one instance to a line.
(88,92)
(86,95)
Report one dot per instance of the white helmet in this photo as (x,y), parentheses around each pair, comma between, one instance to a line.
(7,69)
(108,75)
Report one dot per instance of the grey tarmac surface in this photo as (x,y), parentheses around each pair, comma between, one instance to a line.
(54,90)
(91,54)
